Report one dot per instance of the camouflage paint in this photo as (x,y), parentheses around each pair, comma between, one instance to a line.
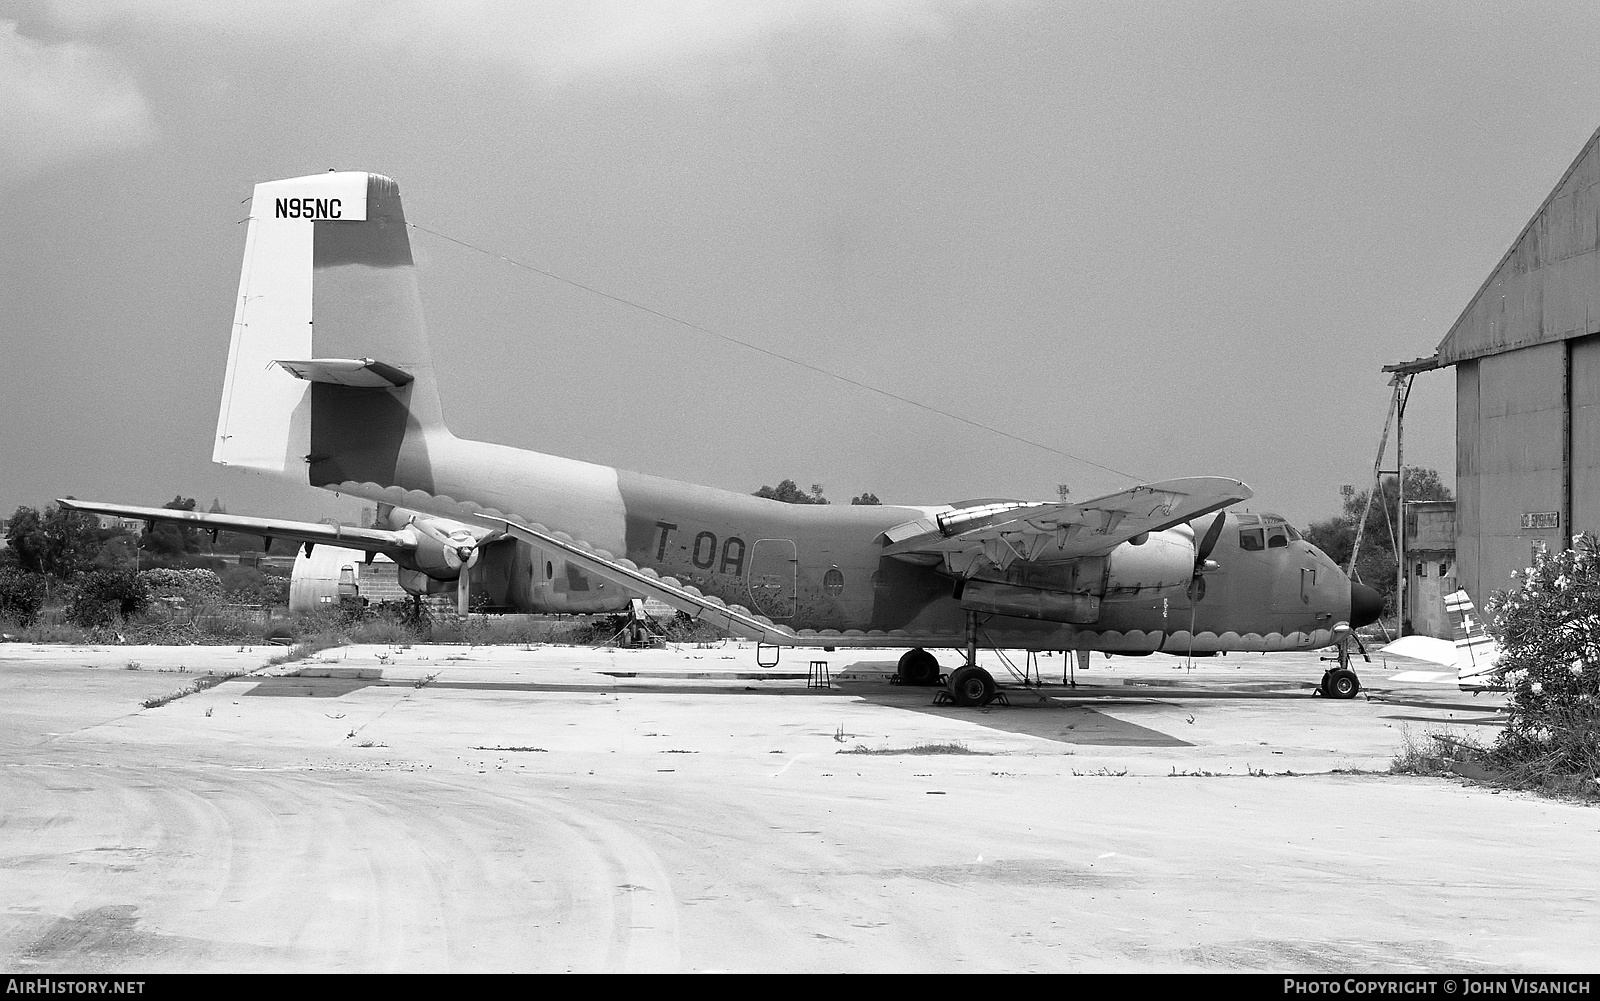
(391,446)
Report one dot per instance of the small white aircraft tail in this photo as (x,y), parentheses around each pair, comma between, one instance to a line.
(1477,653)
(1474,653)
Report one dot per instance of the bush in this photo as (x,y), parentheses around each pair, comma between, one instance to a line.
(197,588)
(102,597)
(21,595)
(1550,627)
(247,585)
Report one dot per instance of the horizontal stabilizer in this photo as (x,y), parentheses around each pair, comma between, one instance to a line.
(361,373)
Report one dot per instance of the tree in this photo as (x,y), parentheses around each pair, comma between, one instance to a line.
(1375,566)
(789,493)
(866,499)
(58,542)
(169,539)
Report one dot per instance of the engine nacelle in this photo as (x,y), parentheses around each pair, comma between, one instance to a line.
(417,582)
(1165,560)
(443,548)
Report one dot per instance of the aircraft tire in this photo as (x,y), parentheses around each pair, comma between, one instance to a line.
(972,686)
(919,667)
(1342,684)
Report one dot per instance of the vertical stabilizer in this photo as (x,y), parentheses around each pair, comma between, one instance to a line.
(1477,653)
(327,280)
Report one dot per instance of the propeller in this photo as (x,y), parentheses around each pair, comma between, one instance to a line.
(1202,565)
(1209,542)
(461,554)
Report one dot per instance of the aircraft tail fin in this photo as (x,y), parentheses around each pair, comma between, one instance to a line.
(329,378)
(1477,653)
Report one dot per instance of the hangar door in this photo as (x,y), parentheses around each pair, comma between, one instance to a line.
(1585,458)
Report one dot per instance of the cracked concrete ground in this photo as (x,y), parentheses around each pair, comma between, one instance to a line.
(545,809)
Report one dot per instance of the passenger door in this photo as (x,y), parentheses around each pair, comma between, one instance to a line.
(774,578)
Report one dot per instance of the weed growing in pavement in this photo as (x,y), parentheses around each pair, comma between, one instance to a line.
(1434,753)
(197,685)
(951,748)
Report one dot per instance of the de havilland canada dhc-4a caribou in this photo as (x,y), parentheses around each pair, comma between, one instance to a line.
(330,382)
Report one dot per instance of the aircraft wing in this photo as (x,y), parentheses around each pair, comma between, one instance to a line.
(969,540)
(643,580)
(372,540)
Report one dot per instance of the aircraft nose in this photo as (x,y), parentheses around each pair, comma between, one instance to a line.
(1366,604)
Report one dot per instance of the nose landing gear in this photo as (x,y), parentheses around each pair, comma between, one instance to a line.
(1339,682)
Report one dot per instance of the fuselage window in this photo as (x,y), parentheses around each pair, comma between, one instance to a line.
(1277,540)
(1252,540)
(833,582)
(549,570)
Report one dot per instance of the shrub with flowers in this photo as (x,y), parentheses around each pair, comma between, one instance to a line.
(197,588)
(1550,643)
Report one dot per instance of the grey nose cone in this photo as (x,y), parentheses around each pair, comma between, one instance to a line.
(1366,604)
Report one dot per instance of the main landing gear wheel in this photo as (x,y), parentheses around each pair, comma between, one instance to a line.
(1340,683)
(919,667)
(972,686)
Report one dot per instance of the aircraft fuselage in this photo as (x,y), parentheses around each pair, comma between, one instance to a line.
(821,568)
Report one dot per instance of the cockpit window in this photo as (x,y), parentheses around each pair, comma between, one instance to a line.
(1294,534)
(1248,519)
(1276,539)
(1252,540)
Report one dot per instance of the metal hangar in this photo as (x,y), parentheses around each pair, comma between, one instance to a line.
(1526,353)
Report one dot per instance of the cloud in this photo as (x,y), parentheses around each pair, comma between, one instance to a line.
(554,41)
(61,102)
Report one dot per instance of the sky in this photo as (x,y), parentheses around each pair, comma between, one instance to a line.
(1164,239)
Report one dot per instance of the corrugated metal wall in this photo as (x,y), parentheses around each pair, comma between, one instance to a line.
(1547,287)
(1511,453)
(1585,367)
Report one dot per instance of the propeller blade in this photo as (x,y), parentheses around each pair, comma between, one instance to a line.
(462,592)
(1209,542)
